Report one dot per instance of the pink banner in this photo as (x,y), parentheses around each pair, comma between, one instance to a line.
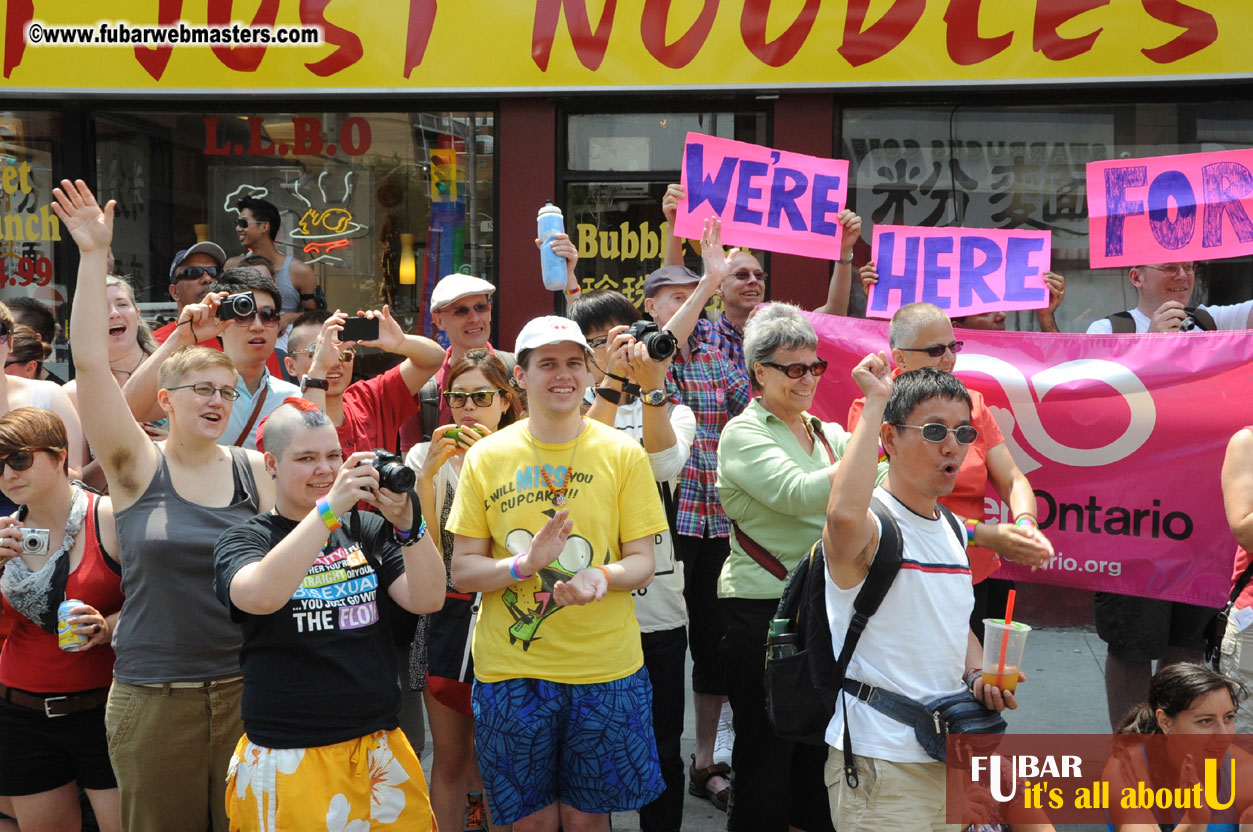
(964,271)
(767,199)
(1170,209)
(1122,438)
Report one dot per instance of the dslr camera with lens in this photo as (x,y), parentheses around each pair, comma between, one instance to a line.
(394,475)
(659,343)
(239,305)
(34,541)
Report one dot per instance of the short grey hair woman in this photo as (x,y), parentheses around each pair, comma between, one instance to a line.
(775,465)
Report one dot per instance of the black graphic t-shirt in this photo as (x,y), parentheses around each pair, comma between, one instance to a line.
(322,669)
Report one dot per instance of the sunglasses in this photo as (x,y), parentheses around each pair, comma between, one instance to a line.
(4,332)
(269,316)
(937,350)
(798,370)
(196,272)
(13,361)
(345,355)
(935,432)
(206,390)
(481,398)
(745,274)
(242,222)
(20,460)
(596,343)
(462,311)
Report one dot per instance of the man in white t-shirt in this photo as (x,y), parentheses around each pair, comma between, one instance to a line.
(1164,290)
(1139,631)
(919,643)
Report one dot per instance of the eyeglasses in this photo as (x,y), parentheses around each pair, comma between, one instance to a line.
(594,343)
(345,355)
(935,432)
(798,370)
(20,460)
(196,272)
(481,398)
(937,350)
(4,332)
(242,222)
(745,274)
(13,361)
(1175,268)
(206,390)
(269,317)
(481,308)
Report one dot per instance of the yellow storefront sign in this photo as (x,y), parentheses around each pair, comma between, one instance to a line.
(511,45)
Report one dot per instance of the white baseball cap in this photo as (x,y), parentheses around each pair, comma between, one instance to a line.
(454,287)
(550,329)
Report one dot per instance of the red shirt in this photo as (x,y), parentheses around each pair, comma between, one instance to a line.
(972,478)
(163,333)
(374,410)
(31,659)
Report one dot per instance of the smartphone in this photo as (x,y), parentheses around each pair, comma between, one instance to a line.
(360,329)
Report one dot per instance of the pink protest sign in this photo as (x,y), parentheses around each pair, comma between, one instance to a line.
(1168,209)
(964,271)
(1122,438)
(767,199)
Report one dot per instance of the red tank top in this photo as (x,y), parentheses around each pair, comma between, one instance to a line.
(31,659)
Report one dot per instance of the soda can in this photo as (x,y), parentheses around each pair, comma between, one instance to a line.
(67,639)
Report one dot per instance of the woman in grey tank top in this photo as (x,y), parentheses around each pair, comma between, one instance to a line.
(173,711)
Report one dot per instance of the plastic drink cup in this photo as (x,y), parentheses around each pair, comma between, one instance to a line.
(1014,639)
(550,223)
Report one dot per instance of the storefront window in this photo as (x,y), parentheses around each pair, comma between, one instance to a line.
(358,194)
(30,148)
(618,168)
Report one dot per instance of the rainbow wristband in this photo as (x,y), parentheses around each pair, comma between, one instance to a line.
(1026,519)
(328,516)
(970,531)
(513,568)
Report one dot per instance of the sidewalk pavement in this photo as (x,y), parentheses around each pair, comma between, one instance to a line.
(1064,693)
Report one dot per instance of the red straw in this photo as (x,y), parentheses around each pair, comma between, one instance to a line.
(1009,620)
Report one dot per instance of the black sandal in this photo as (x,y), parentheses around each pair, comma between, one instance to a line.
(698,783)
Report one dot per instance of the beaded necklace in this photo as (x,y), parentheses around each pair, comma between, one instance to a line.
(557,495)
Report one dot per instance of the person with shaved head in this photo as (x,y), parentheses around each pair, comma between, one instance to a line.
(921,335)
(321,703)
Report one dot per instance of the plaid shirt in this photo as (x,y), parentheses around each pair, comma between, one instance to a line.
(725,336)
(716,389)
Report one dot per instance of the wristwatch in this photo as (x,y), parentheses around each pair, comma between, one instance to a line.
(307,381)
(847,262)
(654,398)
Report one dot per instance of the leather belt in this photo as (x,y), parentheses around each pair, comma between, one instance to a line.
(191,685)
(54,706)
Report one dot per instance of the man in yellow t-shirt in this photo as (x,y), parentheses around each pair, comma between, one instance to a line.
(554,521)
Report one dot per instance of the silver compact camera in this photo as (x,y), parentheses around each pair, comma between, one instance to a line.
(34,541)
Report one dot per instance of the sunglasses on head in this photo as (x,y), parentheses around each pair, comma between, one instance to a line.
(196,272)
(482,308)
(269,317)
(937,350)
(19,460)
(481,398)
(935,432)
(798,370)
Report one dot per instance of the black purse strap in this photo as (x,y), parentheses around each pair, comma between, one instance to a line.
(1245,576)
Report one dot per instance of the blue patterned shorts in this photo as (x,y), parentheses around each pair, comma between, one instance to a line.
(588,746)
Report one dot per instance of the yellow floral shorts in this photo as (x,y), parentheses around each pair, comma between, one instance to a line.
(374,782)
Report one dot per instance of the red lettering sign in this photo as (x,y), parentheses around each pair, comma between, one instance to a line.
(241,58)
(783,48)
(1050,16)
(1202,30)
(589,46)
(18,14)
(347,45)
(682,51)
(863,46)
(421,22)
(965,45)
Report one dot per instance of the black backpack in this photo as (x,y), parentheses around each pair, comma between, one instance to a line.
(801,688)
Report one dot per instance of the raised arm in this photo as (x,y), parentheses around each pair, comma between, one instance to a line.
(1057,291)
(196,322)
(842,274)
(673,255)
(423,357)
(717,267)
(1237,479)
(124,450)
(850,536)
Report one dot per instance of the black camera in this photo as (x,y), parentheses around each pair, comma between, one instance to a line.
(240,305)
(394,475)
(659,343)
